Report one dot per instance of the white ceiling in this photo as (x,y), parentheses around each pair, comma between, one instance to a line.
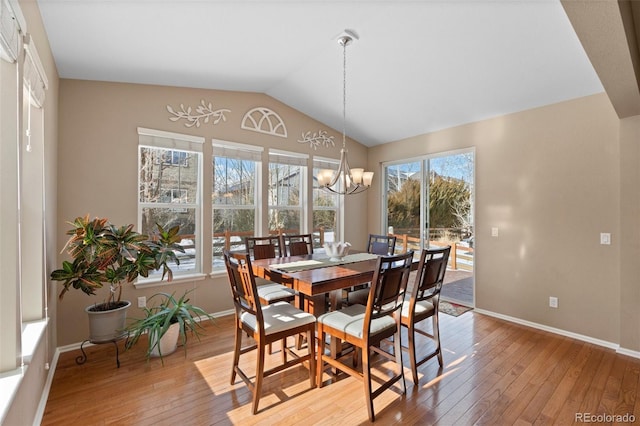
(419,66)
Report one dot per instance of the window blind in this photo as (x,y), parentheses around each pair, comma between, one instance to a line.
(236,150)
(9,33)
(325,163)
(33,74)
(168,140)
(283,157)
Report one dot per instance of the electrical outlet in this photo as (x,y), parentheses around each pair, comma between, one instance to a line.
(494,232)
(142,302)
(605,238)
(553,302)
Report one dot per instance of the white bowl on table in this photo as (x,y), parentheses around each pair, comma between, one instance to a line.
(336,251)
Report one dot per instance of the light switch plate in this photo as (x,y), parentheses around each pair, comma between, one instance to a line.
(494,232)
(605,238)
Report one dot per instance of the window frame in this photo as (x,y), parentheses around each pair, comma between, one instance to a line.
(277,156)
(193,146)
(243,152)
(320,163)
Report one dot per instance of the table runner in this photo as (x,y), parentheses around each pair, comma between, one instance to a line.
(305,265)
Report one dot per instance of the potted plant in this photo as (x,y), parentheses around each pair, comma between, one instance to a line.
(105,254)
(164,323)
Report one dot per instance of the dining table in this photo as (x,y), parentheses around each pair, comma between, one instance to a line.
(315,275)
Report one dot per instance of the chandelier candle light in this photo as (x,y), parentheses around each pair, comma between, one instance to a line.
(346,180)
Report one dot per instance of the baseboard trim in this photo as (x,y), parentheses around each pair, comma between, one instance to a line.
(559,331)
(47,387)
(628,352)
(74,346)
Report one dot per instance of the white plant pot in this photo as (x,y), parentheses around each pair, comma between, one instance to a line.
(168,342)
(105,326)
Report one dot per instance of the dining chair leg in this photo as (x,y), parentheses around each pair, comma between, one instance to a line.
(319,355)
(412,352)
(257,386)
(236,354)
(366,376)
(397,348)
(436,337)
(312,358)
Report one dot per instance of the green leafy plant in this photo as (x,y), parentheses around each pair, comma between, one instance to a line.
(159,318)
(105,254)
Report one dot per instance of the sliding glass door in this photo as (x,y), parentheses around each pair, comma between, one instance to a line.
(429,203)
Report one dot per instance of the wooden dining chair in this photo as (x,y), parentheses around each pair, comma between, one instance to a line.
(366,327)
(383,245)
(422,302)
(297,245)
(268,248)
(265,324)
(264,247)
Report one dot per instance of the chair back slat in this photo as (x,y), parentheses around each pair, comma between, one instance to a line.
(264,247)
(431,271)
(243,284)
(298,245)
(384,245)
(388,285)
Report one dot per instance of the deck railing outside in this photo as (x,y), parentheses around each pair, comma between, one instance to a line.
(461,256)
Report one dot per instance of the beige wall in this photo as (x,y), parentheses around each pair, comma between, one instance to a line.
(549,179)
(97,159)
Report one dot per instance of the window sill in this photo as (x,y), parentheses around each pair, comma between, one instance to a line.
(219,273)
(31,333)
(9,383)
(157,282)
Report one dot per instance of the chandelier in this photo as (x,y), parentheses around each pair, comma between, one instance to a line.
(345,180)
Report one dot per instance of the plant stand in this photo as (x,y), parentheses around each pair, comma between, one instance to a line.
(81,359)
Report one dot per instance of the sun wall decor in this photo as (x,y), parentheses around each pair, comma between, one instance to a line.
(264,120)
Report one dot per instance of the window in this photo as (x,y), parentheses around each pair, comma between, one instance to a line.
(169,185)
(326,207)
(235,198)
(175,158)
(10,332)
(287,192)
(175,195)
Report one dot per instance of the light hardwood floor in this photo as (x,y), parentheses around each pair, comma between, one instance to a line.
(495,373)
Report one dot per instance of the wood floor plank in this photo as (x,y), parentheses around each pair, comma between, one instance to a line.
(495,372)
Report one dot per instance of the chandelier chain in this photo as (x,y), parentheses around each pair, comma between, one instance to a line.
(344,92)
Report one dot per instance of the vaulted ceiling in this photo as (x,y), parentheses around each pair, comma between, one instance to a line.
(418,66)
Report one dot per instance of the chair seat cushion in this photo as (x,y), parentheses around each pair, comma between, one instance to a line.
(351,321)
(278,317)
(273,292)
(423,309)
